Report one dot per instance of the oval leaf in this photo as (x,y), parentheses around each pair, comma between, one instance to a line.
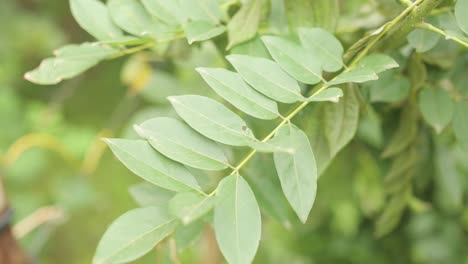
(179,142)
(294,59)
(267,77)
(233,89)
(70,61)
(324,46)
(237,220)
(139,157)
(378,63)
(212,119)
(423,40)
(146,194)
(133,235)
(297,171)
(341,121)
(244,24)
(332,94)
(201,30)
(356,75)
(93,16)
(436,107)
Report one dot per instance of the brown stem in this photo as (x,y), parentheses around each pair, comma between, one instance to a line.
(10,251)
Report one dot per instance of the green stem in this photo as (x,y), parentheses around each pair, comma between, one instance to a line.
(353,63)
(437,30)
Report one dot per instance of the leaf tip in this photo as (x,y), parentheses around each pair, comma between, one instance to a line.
(140,131)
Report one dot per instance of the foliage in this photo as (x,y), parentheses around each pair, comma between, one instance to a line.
(384,128)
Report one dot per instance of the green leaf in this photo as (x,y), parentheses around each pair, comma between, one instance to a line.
(69,61)
(405,133)
(297,171)
(449,184)
(324,47)
(131,16)
(423,40)
(201,30)
(356,75)
(313,13)
(460,122)
(168,11)
(237,220)
(133,235)
(294,59)
(436,107)
(332,94)
(187,235)
(212,119)
(267,77)
(277,19)
(461,11)
(189,206)
(139,157)
(179,142)
(341,121)
(378,63)
(392,214)
(244,24)
(206,10)
(93,16)
(147,194)
(233,89)
(389,88)
(253,47)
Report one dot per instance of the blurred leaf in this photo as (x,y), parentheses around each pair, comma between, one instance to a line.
(69,61)
(202,10)
(378,63)
(332,94)
(423,40)
(168,11)
(131,16)
(313,13)
(189,206)
(186,235)
(267,77)
(141,159)
(278,19)
(297,171)
(368,184)
(201,30)
(244,24)
(449,189)
(233,89)
(179,142)
(324,47)
(392,213)
(253,47)
(147,194)
(356,75)
(389,88)
(417,72)
(294,59)
(134,234)
(436,108)
(93,16)
(237,220)
(460,122)
(461,9)
(341,121)
(212,119)
(405,133)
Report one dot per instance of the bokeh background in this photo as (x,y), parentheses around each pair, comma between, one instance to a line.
(53,158)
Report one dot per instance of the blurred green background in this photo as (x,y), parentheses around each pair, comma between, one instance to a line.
(51,147)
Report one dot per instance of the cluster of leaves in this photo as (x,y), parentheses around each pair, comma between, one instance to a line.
(302,69)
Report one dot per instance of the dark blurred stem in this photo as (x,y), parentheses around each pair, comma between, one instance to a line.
(10,251)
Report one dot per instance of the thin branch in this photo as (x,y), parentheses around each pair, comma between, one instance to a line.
(37,218)
(439,31)
(353,63)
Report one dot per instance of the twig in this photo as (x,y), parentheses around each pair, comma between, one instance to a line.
(37,218)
